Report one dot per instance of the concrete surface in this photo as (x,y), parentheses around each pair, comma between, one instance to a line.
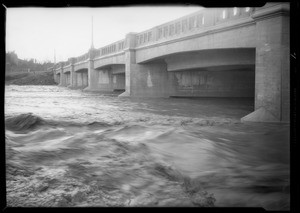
(240,56)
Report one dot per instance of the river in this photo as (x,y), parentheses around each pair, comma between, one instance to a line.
(72,148)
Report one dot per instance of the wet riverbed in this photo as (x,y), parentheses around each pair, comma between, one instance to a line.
(89,149)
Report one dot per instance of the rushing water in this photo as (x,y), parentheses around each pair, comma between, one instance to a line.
(70,148)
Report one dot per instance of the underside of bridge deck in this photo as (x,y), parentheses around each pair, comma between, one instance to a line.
(210,73)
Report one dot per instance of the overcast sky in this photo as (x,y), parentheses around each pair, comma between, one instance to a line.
(37,32)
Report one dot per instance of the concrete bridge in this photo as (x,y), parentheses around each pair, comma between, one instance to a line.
(222,52)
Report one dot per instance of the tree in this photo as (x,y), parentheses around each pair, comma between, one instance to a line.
(12,58)
(13,63)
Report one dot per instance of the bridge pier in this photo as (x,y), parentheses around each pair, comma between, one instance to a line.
(151,80)
(63,82)
(98,80)
(73,80)
(145,80)
(107,78)
(129,63)
(92,75)
(55,76)
(104,80)
(81,79)
(118,81)
(272,66)
(68,79)
(57,80)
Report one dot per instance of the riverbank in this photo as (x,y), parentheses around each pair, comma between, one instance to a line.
(30,78)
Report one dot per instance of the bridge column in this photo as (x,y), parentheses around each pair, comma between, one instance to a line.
(55,76)
(92,75)
(58,78)
(272,65)
(79,78)
(73,79)
(63,82)
(130,63)
(145,80)
(105,79)
(118,81)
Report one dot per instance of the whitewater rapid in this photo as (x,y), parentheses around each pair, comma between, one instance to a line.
(70,148)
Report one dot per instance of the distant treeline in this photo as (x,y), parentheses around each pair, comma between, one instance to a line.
(14,64)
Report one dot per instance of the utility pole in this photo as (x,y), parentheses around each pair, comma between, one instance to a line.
(54,57)
(92,46)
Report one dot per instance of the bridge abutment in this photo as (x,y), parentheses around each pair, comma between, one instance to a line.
(272,66)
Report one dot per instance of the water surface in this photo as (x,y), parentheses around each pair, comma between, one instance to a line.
(89,149)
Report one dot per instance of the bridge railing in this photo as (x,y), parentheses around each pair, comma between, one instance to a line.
(57,65)
(191,23)
(111,48)
(57,68)
(177,28)
(229,14)
(67,63)
(146,36)
(82,58)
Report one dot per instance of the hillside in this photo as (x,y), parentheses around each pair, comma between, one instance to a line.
(36,78)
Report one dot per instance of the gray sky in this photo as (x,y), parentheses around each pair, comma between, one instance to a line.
(36,32)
